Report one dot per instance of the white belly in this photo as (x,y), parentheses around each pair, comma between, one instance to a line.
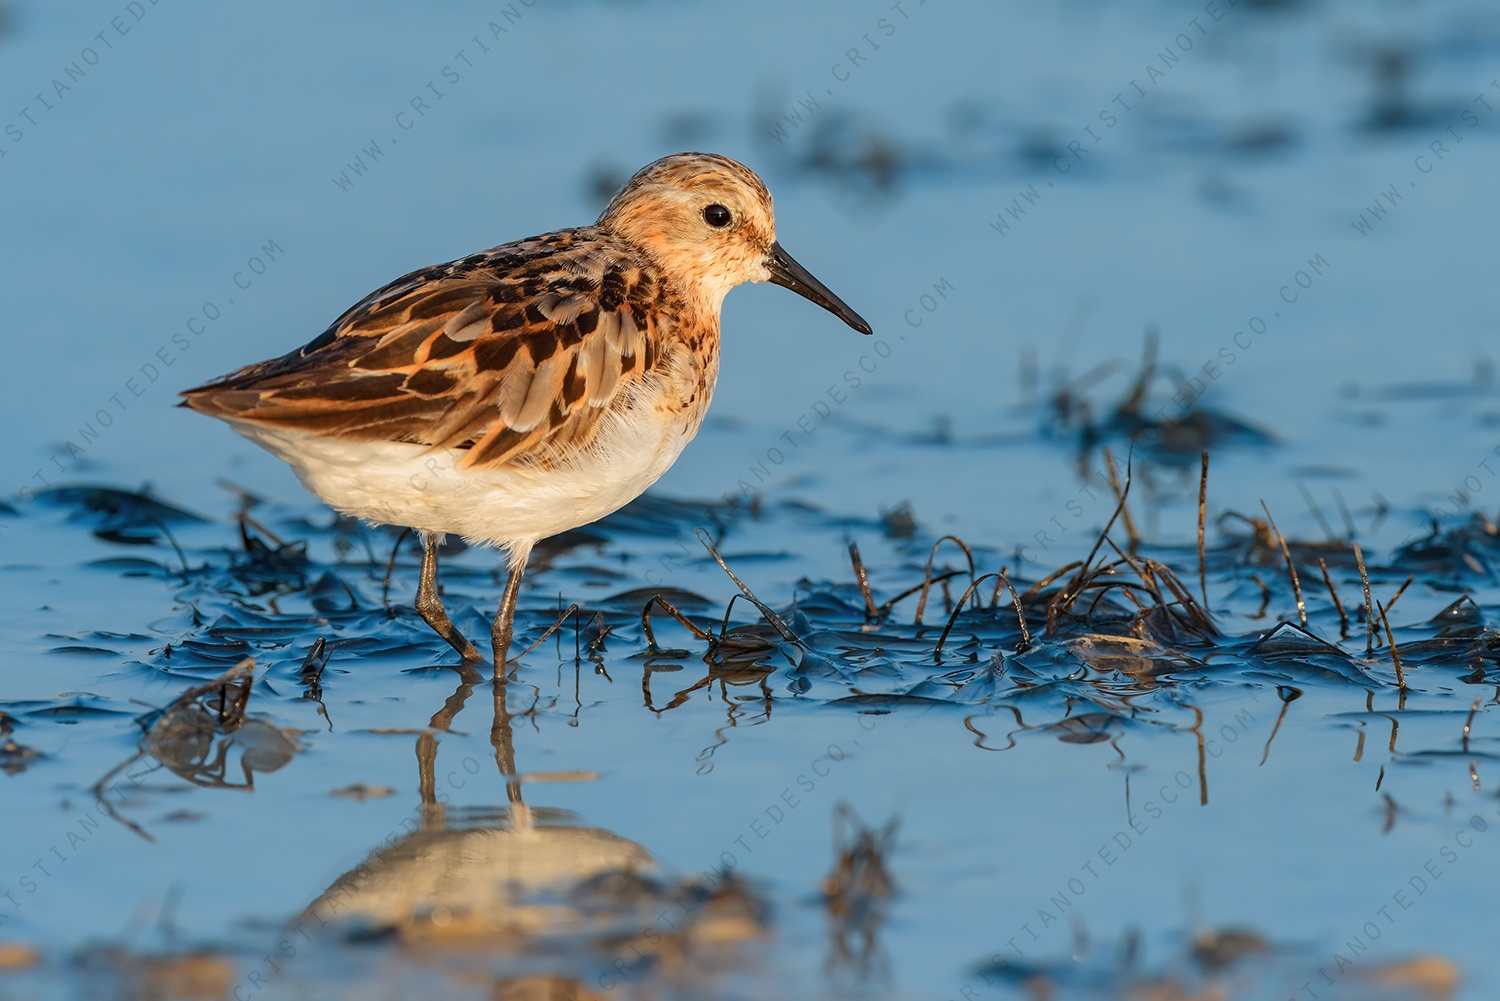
(512,507)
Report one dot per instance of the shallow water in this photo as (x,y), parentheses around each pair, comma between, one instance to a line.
(1115,791)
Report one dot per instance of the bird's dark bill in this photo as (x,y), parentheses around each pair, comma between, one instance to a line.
(787,273)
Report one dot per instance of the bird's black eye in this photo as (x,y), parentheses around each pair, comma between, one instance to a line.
(716,216)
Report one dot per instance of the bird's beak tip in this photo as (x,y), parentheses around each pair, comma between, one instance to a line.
(787,273)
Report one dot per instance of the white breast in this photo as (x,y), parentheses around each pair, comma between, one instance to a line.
(396,483)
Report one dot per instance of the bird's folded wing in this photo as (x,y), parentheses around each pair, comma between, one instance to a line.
(501,359)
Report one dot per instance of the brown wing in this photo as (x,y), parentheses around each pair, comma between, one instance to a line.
(520,350)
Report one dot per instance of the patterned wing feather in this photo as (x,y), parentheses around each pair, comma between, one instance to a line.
(518,351)
(515,351)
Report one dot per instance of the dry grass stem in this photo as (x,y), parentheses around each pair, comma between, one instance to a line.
(1114,484)
(928,580)
(1064,599)
(937,652)
(1035,589)
(566,613)
(1395,656)
(671,610)
(863,579)
(1291,567)
(1332,593)
(1020,613)
(1399,592)
(776,621)
(1364,579)
(1202,521)
(885,609)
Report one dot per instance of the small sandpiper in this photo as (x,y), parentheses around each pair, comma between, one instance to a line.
(528,389)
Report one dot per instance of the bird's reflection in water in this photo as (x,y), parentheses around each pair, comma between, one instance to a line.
(584,906)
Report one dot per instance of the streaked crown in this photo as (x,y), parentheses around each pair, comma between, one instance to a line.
(706,218)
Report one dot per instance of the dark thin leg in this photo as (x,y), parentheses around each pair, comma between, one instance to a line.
(430,606)
(504,627)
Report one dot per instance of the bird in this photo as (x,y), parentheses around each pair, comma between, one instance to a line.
(525,390)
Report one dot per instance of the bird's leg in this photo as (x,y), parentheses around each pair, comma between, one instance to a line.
(430,606)
(504,627)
